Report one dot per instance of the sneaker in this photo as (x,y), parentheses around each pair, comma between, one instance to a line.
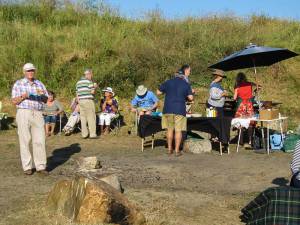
(95,137)
(43,172)
(28,172)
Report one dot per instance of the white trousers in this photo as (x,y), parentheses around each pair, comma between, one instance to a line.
(31,128)
(72,121)
(105,118)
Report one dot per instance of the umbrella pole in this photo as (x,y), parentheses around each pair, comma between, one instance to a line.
(257,91)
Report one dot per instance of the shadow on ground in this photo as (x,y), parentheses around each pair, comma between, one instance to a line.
(281,182)
(62,155)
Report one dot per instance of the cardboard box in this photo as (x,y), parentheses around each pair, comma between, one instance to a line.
(268,114)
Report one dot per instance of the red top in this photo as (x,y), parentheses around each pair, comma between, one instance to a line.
(244,91)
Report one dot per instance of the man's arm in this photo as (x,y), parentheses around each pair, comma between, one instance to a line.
(158,92)
(17,97)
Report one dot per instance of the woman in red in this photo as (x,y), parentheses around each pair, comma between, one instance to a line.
(244,99)
(243,96)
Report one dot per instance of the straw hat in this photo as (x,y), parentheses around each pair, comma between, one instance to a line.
(141,90)
(219,73)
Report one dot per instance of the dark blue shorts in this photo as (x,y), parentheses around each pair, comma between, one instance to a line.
(50,119)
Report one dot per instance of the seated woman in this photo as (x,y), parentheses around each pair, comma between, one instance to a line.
(52,109)
(295,167)
(145,101)
(74,118)
(217,93)
(244,99)
(109,108)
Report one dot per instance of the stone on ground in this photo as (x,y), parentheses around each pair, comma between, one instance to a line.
(197,146)
(93,201)
(88,163)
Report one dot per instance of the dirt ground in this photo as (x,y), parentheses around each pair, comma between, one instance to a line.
(188,190)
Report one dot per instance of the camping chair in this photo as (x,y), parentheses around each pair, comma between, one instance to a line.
(3,116)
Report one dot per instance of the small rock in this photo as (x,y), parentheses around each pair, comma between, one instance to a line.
(88,163)
(197,146)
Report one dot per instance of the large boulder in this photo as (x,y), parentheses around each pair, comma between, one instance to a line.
(93,201)
(197,146)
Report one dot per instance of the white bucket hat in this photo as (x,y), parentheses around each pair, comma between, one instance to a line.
(141,90)
(109,89)
(28,66)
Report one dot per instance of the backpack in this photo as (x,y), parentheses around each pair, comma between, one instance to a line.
(276,142)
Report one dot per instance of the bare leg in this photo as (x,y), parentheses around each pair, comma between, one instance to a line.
(178,137)
(170,139)
(47,126)
(52,127)
(101,128)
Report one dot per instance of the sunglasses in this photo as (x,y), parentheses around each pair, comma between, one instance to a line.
(30,70)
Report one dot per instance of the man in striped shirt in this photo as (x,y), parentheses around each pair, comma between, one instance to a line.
(85,90)
(295,167)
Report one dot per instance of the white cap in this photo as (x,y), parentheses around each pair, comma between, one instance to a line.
(28,66)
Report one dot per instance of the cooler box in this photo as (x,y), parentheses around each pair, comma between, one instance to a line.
(268,114)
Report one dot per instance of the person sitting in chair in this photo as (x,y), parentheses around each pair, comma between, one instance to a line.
(145,101)
(52,110)
(109,109)
(74,118)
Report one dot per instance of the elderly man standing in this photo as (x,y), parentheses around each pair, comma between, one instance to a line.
(177,91)
(85,90)
(28,94)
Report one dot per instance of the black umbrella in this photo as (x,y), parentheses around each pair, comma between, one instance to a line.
(253,56)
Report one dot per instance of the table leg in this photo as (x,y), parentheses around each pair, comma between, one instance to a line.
(220,148)
(143,144)
(263,135)
(281,130)
(152,146)
(238,144)
(228,148)
(268,138)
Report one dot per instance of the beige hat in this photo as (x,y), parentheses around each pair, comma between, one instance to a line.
(218,73)
(141,90)
(28,66)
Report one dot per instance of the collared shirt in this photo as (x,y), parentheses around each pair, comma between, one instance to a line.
(31,88)
(84,88)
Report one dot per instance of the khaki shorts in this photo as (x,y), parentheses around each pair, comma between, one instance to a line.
(173,121)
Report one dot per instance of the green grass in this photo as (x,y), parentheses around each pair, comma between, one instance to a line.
(63,41)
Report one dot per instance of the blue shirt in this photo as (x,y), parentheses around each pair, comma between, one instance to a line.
(146,101)
(176,91)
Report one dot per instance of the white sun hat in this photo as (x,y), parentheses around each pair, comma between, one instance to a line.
(108,89)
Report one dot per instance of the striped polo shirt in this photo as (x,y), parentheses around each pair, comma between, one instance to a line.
(295,165)
(84,88)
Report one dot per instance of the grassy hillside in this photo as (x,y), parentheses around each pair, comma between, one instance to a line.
(63,41)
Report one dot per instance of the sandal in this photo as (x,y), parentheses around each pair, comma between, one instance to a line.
(178,154)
